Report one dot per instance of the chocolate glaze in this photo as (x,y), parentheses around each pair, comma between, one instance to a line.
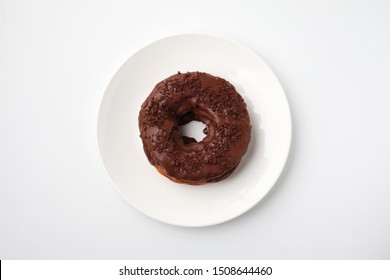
(181,99)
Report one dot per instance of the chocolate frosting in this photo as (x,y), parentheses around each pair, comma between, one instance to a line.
(183,98)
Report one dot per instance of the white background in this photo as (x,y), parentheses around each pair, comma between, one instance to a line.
(332,200)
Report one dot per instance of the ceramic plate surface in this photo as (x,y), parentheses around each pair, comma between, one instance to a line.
(121,147)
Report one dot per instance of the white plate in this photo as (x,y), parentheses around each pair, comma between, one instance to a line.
(121,148)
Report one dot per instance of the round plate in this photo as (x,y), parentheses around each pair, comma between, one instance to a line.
(121,147)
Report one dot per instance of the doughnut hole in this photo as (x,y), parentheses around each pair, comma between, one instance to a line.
(191,130)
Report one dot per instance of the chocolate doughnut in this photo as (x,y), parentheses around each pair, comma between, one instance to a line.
(185,97)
